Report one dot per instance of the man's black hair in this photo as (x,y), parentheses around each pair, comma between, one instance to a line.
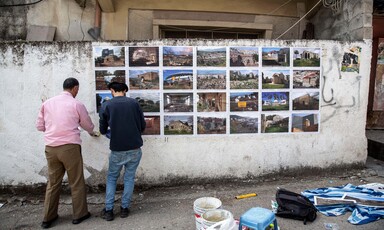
(69,83)
(118,87)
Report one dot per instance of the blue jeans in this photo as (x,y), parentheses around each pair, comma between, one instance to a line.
(117,159)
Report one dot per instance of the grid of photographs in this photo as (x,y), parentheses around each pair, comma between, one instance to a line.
(233,90)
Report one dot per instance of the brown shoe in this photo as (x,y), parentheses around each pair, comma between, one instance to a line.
(78,221)
(47,224)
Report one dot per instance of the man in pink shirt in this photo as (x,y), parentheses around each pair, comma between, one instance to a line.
(59,119)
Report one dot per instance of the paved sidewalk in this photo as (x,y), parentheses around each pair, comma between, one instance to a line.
(172,207)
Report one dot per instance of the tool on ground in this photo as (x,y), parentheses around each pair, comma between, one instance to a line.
(245,195)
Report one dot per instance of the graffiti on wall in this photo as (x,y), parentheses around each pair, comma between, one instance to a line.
(350,62)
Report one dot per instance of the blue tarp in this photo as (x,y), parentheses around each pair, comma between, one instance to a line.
(361,212)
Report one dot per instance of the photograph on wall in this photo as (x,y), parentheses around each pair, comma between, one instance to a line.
(152,125)
(305,122)
(274,123)
(211,102)
(351,60)
(306,79)
(177,56)
(275,57)
(178,125)
(101,98)
(143,79)
(211,124)
(144,56)
(104,77)
(244,56)
(211,79)
(243,123)
(306,57)
(178,79)
(149,101)
(211,56)
(244,79)
(275,101)
(178,102)
(244,101)
(275,79)
(110,56)
(304,100)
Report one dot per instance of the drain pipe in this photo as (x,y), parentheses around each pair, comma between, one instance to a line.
(95,31)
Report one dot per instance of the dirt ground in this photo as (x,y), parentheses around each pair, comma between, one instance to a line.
(172,207)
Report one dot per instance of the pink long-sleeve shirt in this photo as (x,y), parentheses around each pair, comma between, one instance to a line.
(60,117)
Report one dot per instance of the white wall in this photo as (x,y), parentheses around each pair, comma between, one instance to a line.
(32,72)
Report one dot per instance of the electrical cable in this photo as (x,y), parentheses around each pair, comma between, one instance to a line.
(298,20)
(22,4)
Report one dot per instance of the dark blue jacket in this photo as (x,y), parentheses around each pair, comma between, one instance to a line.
(125,119)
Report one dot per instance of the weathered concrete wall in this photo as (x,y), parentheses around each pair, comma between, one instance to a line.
(32,72)
(70,20)
(353,22)
(13,22)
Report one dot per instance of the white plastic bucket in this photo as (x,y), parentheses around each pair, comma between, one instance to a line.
(218,219)
(202,205)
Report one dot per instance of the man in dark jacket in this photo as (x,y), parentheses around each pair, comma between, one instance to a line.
(125,119)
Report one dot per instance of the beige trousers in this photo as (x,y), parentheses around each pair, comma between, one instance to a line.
(61,159)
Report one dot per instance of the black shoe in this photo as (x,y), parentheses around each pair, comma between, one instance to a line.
(124,212)
(78,221)
(47,224)
(107,215)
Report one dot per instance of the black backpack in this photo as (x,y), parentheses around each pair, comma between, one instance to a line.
(294,206)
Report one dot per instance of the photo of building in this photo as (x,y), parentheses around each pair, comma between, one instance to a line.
(274,123)
(109,56)
(211,102)
(178,102)
(143,79)
(275,79)
(143,56)
(211,79)
(351,60)
(244,101)
(177,56)
(149,101)
(305,100)
(178,125)
(306,79)
(275,57)
(243,124)
(244,79)
(305,122)
(244,56)
(152,125)
(306,57)
(211,125)
(273,101)
(211,56)
(178,79)
(104,77)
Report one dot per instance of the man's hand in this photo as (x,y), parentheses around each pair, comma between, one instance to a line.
(95,134)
